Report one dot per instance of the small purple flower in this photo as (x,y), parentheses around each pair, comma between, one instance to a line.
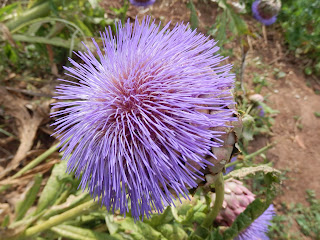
(135,124)
(266,11)
(231,168)
(261,111)
(259,228)
(142,3)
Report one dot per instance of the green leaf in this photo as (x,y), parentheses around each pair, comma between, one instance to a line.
(7,10)
(82,26)
(157,219)
(11,53)
(31,195)
(317,114)
(243,172)
(248,127)
(139,230)
(111,225)
(71,202)
(34,28)
(56,41)
(237,25)
(172,231)
(194,22)
(5,221)
(78,233)
(53,188)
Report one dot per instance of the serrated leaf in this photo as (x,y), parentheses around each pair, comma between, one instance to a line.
(243,172)
(77,233)
(31,195)
(53,188)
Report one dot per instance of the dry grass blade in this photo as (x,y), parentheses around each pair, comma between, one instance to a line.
(27,122)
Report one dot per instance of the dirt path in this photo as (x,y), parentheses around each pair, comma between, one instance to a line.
(296,129)
(297,132)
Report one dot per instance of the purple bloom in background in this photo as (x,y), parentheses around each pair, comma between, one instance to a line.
(259,228)
(266,11)
(236,199)
(261,111)
(231,168)
(135,124)
(142,3)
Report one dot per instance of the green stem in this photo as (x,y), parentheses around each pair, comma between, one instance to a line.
(261,150)
(58,219)
(232,163)
(219,189)
(36,161)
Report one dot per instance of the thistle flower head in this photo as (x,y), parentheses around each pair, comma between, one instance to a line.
(266,11)
(143,114)
(142,3)
(236,199)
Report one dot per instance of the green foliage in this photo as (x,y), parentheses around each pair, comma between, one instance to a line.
(306,217)
(46,33)
(194,21)
(228,25)
(300,20)
(72,215)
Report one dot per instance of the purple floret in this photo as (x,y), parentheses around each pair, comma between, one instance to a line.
(261,111)
(132,124)
(259,15)
(142,3)
(259,228)
(231,168)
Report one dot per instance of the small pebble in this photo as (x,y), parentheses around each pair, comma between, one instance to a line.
(276,91)
(297,96)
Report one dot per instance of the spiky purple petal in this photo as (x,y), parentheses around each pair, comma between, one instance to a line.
(259,228)
(132,124)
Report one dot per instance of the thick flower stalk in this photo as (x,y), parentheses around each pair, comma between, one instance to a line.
(142,3)
(142,118)
(266,11)
(236,199)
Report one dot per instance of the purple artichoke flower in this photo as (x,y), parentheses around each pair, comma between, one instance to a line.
(236,199)
(266,11)
(142,3)
(142,116)
(259,228)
